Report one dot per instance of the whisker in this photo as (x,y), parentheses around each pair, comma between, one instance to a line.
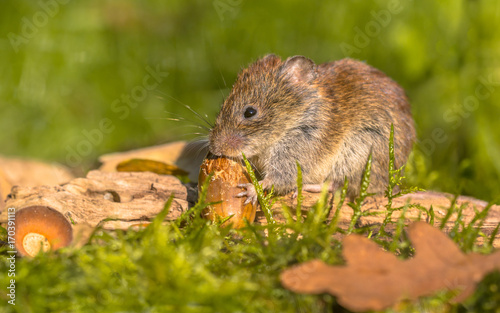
(255,169)
(165,118)
(200,127)
(180,118)
(201,117)
(214,60)
(177,115)
(200,144)
(225,85)
(223,79)
(191,134)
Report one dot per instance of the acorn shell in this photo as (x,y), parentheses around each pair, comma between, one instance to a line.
(41,227)
(227,174)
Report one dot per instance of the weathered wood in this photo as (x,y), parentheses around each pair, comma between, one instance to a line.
(26,172)
(440,202)
(5,187)
(129,198)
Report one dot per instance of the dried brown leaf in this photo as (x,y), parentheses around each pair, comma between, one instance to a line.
(144,165)
(187,156)
(373,279)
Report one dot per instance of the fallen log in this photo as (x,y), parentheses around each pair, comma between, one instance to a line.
(420,202)
(124,198)
(129,198)
(28,172)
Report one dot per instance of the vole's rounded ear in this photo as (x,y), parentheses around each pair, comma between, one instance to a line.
(299,69)
(271,59)
(271,56)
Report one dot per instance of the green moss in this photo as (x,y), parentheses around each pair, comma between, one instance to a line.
(191,265)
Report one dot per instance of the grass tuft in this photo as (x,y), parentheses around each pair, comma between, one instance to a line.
(265,201)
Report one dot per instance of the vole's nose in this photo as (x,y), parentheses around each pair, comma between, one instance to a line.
(234,142)
(226,144)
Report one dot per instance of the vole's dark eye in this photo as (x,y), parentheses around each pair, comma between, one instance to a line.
(249,112)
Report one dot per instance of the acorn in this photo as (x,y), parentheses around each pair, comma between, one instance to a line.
(227,174)
(41,228)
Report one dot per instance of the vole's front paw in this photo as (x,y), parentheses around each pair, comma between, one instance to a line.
(250,193)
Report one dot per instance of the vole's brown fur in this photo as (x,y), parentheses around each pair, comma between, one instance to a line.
(328,117)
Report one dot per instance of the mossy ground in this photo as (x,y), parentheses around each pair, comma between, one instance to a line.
(203,267)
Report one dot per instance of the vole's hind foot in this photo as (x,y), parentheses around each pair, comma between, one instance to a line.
(250,193)
(315,188)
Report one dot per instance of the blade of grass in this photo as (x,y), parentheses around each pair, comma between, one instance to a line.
(298,210)
(449,212)
(356,206)
(264,200)
(493,235)
(399,229)
(160,217)
(343,194)
(432,215)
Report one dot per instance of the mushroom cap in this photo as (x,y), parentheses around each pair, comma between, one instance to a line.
(41,227)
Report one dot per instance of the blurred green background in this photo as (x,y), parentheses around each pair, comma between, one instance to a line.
(76,82)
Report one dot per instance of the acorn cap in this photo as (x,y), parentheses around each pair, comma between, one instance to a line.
(41,227)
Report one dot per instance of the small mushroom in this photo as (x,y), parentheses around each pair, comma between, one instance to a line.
(227,174)
(40,227)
